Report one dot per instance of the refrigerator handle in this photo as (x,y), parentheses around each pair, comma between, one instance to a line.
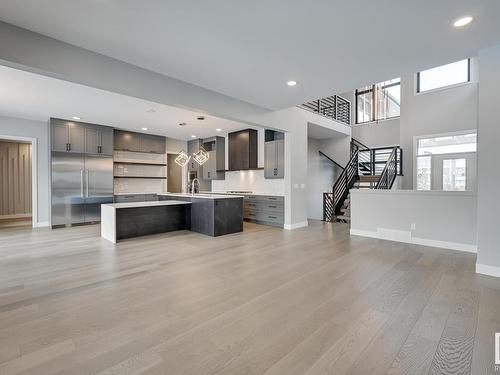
(81,182)
(87,182)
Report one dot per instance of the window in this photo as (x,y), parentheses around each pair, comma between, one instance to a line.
(378,102)
(444,76)
(451,144)
(446,162)
(454,174)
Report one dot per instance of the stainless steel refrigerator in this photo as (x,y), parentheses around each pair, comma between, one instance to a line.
(80,184)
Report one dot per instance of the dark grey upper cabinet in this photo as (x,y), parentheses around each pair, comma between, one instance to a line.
(243,150)
(70,136)
(137,142)
(60,136)
(92,140)
(106,141)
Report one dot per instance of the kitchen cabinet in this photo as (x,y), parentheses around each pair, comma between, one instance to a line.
(213,169)
(243,150)
(78,137)
(99,140)
(264,209)
(194,146)
(274,159)
(137,142)
(67,136)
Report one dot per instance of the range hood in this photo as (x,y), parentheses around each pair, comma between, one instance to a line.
(243,150)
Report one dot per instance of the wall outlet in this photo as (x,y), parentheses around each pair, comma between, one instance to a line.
(295,186)
(413,226)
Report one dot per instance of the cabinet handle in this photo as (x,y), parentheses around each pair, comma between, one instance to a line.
(69,146)
(271,199)
(272,217)
(272,206)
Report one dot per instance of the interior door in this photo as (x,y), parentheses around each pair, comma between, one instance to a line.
(98,185)
(68,204)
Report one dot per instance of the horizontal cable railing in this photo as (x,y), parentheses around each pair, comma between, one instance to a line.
(335,107)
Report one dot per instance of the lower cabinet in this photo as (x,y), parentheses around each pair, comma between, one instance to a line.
(264,209)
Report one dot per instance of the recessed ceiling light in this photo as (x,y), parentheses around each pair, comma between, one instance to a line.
(144,128)
(201,118)
(193,136)
(218,130)
(292,83)
(76,118)
(462,21)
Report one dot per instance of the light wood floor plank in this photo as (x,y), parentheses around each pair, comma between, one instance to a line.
(265,301)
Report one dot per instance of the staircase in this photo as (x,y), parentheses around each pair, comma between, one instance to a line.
(368,168)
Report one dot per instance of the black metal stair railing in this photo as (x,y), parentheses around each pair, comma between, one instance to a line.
(332,202)
(335,107)
(390,171)
(386,162)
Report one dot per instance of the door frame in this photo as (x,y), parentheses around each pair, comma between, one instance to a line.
(34,173)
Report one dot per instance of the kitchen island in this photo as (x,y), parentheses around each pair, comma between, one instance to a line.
(212,214)
(133,219)
(209,214)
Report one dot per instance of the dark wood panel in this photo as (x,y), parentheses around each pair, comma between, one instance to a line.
(243,150)
(135,222)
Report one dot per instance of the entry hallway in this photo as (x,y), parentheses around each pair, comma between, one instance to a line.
(265,301)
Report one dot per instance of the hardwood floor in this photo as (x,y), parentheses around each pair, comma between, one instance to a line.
(267,301)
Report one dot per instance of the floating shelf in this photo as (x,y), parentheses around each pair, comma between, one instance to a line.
(139,163)
(145,177)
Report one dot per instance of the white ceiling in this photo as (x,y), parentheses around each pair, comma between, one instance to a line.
(35,97)
(249,49)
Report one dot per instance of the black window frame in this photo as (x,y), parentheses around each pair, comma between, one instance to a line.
(418,91)
(371,89)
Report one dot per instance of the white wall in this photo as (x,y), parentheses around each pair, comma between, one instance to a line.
(442,219)
(34,129)
(381,134)
(488,258)
(442,111)
(321,174)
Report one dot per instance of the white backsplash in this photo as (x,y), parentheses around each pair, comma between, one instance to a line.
(139,185)
(253,181)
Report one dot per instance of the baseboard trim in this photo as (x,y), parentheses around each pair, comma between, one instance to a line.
(484,269)
(41,224)
(296,225)
(418,241)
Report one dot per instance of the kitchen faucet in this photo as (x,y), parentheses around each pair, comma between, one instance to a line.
(193,187)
